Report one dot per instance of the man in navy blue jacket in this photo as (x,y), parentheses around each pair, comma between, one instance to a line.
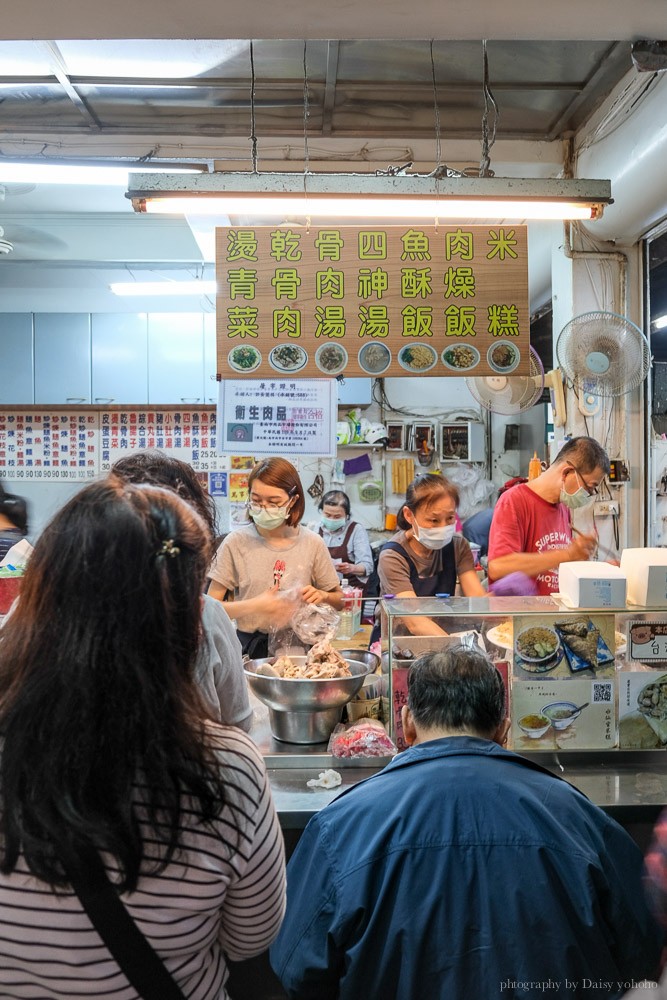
(462,870)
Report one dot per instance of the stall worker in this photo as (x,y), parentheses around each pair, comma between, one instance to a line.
(462,869)
(117,787)
(346,540)
(426,557)
(219,666)
(531,531)
(272,564)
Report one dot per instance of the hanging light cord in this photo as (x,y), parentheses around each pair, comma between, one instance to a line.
(306,111)
(438,150)
(489,102)
(253,135)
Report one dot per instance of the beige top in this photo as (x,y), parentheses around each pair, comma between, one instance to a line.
(246,561)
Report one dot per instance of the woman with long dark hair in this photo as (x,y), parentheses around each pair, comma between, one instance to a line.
(108,750)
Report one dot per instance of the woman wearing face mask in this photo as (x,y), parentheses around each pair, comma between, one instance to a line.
(346,540)
(274,554)
(531,529)
(425,557)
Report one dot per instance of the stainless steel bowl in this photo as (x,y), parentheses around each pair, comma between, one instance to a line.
(306,711)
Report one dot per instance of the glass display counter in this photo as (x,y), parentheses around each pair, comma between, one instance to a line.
(577,679)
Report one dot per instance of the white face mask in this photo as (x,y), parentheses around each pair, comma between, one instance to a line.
(577,499)
(268,519)
(434,538)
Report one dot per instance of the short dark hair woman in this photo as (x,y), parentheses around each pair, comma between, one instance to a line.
(274,553)
(106,747)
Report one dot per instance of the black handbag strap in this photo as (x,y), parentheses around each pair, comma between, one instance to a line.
(136,957)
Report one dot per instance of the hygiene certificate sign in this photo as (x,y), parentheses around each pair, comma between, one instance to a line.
(277,416)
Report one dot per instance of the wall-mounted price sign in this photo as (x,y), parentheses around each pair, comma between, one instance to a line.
(387,300)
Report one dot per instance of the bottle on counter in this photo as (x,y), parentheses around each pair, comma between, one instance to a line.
(534,467)
(350,616)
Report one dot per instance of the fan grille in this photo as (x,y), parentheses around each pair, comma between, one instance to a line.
(603,354)
(510,394)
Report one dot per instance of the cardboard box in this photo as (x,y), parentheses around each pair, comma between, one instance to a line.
(646,573)
(591,585)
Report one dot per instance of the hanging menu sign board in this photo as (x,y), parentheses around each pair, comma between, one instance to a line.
(61,447)
(188,435)
(360,301)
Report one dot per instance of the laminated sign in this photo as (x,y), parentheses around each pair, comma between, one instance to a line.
(360,301)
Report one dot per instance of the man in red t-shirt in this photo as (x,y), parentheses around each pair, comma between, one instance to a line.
(531,530)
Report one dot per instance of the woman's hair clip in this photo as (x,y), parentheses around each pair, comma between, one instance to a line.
(168,548)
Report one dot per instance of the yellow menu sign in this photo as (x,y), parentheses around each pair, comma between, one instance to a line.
(359,300)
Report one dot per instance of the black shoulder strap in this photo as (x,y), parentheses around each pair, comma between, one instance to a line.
(137,959)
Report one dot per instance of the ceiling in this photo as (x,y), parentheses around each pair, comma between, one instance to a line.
(356,103)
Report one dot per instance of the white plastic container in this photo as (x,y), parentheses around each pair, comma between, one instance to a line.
(591,585)
(646,571)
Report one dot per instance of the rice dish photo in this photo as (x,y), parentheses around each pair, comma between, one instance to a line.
(537,643)
(374,358)
(503,357)
(417,357)
(461,357)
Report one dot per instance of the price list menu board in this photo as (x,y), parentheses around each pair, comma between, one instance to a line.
(60,447)
(188,435)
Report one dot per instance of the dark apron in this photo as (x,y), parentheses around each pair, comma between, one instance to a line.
(443,582)
(341,552)
(254,645)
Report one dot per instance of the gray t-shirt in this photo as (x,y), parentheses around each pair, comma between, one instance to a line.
(219,668)
(246,562)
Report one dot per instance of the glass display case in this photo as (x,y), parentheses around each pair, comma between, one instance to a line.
(577,679)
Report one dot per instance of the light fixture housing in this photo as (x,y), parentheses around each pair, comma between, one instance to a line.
(400,196)
(194,287)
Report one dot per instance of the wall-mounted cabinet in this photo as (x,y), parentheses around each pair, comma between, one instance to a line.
(16,350)
(119,358)
(62,358)
(175,358)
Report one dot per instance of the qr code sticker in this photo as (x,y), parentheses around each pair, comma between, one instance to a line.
(602,692)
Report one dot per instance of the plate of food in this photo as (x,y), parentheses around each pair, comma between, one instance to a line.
(538,648)
(460,357)
(331,358)
(585,649)
(502,635)
(417,357)
(244,358)
(503,357)
(374,358)
(288,357)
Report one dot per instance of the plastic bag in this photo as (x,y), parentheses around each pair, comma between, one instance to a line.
(315,622)
(365,738)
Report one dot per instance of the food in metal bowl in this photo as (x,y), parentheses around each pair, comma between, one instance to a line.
(306,709)
(322,660)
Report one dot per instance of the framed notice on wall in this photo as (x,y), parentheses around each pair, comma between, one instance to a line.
(277,417)
(388,300)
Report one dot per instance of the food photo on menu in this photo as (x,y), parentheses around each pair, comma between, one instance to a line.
(563,714)
(642,709)
(564,646)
